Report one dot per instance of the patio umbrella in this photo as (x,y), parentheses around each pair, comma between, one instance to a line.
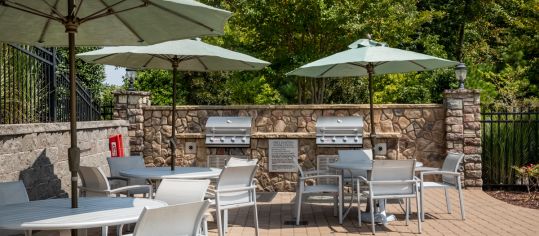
(368,58)
(101,23)
(179,55)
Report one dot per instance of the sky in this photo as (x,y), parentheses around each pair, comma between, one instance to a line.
(114,75)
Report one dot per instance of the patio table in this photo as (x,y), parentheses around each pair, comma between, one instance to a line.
(380,212)
(57,214)
(159,173)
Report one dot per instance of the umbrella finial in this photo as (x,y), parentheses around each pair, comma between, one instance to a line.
(369,36)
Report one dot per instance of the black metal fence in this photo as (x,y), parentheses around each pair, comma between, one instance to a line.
(33,89)
(508,139)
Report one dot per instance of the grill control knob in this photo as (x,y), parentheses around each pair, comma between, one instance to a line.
(333,139)
(356,139)
(222,139)
(344,140)
(211,140)
(322,140)
(233,140)
(243,139)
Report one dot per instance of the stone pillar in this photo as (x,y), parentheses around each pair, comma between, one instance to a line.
(463,131)
(129,105)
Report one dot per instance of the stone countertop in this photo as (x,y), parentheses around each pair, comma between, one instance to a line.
(303,135)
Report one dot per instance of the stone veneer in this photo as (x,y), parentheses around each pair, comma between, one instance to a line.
(421,131)
(463,131)
(37,153)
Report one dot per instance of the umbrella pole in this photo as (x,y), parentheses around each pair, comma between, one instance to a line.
(370,71)
(74,151)
(175,64)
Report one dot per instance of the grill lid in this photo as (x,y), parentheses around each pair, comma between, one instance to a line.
(339,131)
(229,131)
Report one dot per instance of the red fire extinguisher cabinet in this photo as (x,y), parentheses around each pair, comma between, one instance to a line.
(116,146)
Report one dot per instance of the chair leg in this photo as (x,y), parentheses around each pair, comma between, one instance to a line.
(219,221)
(372,215)
(422,191)
(119,230)
(407,211)
(358,204)
(340,202)
(256,213)
(418,212)
(447,201)
(298,207)
(104,231)
(225,220)
(461,199)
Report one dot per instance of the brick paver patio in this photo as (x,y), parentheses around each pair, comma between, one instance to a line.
(484,216)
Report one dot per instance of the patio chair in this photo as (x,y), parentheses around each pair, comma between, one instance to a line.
(236,189)
(450,179)
(391,179)
(13,193)
(181,219)
(180,191)
(118,164)
(303,189)
(95,183)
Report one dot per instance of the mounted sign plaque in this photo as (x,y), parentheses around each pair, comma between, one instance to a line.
(283,155)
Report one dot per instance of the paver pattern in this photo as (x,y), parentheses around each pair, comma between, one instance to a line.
(484,216)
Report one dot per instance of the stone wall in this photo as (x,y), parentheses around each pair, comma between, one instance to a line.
(37,153)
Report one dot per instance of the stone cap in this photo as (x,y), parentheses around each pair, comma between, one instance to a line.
(126,92)
(297,107)
(301,135)
(19,129)
(461,91)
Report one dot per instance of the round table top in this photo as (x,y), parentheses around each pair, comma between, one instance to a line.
(57,214)
(166,173)
(367,165)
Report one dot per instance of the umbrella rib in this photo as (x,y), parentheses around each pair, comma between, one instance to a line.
(20,7)
(111,11)
(180,15)
(326,71)
(356,64)
(53,8)
(107,10)
(46,26)
(148,62)
(413,62)
(201,62)
(78,8)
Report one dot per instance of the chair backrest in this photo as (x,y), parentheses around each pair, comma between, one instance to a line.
(361,155)
(236,161)
(178,191)
(13,192)
(118,164)
(393,170)
(236,177)
(181,219)
(94,178)
(451,163)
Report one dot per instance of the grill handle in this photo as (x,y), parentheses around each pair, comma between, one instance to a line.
(213,130)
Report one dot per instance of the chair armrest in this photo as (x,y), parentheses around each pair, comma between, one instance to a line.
(320,176)
(381,182)
(438,172)
(93,190)
(130,187)
(235,189)
(362,179)
(118,178)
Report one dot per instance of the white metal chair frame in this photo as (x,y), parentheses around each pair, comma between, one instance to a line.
(228,187)
(180,191)
(398,188)
(302,189)
(172,220)
(117,164)
(450,179)
(99,186)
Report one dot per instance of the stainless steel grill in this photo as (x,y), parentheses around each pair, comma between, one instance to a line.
(339,131)
(224,131)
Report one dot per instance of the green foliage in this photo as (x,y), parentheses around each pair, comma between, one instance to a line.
(159,84)
(91,75)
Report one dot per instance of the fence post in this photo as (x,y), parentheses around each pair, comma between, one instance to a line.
(463,131)
(129,105)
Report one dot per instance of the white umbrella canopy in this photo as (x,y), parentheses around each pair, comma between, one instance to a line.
(179,55)
(193,55)
(108,22)
(368,58)
(103,23)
